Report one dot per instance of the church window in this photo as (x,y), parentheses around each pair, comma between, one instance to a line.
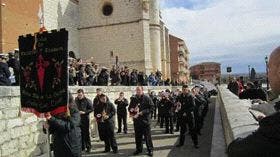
(107,9)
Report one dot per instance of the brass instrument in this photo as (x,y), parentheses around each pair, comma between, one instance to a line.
(101,117)
(134,111)
(178,107)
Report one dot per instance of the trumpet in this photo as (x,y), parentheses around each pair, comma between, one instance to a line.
(178,107)
(134,111)
(102,117)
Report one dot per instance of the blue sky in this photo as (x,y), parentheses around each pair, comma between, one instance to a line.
(189,4)
(236,33)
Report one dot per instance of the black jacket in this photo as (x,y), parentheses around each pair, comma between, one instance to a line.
(124,78)
(253,94)
(103,78)
(187,103)
(145,105)
(233,87)
(115,76)
(108,107)
(121,106)
(84,105)
(96,101)
(133,78)
(270,127)
(4,74)
(14,63)
(108,124)
(264,142)
(165,107)
(66,135)
(199,100)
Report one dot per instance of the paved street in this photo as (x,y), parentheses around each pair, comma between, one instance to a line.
(164,143)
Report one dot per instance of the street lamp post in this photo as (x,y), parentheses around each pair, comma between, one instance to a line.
(266,64)
(117,61)
(249,68)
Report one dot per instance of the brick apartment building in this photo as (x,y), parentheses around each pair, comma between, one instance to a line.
(207,71)
(179,58)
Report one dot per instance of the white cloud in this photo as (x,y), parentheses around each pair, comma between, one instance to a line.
(190,4)
(229,27)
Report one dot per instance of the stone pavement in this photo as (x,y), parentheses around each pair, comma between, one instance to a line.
(164,144)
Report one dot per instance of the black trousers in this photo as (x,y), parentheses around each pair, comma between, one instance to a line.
(106,133)
(154,113)
(198,120)
(168,119)
(110,142)
(86,142)
(122,119)
(161,119)
(141,131)
(176,121)
(183,122)
(205,110)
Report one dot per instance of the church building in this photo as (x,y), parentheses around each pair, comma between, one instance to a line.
(108,32)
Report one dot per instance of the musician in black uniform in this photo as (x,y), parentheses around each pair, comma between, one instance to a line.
(166,108)
(104,113)
(140,108)
(96,98)
(85,108)
(206,94)
(161,109)
(175,109)
(154,98)
(198,109)
(186,116)
(122,103)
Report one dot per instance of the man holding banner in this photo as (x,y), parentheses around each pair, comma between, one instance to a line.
(66,131)
(44,89)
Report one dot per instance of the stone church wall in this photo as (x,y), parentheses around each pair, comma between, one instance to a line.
(105,43)
(63,14)
(119,34)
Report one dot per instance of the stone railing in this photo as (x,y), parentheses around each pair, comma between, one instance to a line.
(236,118)
(21,133)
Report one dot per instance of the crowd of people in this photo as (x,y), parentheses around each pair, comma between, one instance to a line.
(186,107)
(91,74)
(88,74)
(250,90)
(9,70)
